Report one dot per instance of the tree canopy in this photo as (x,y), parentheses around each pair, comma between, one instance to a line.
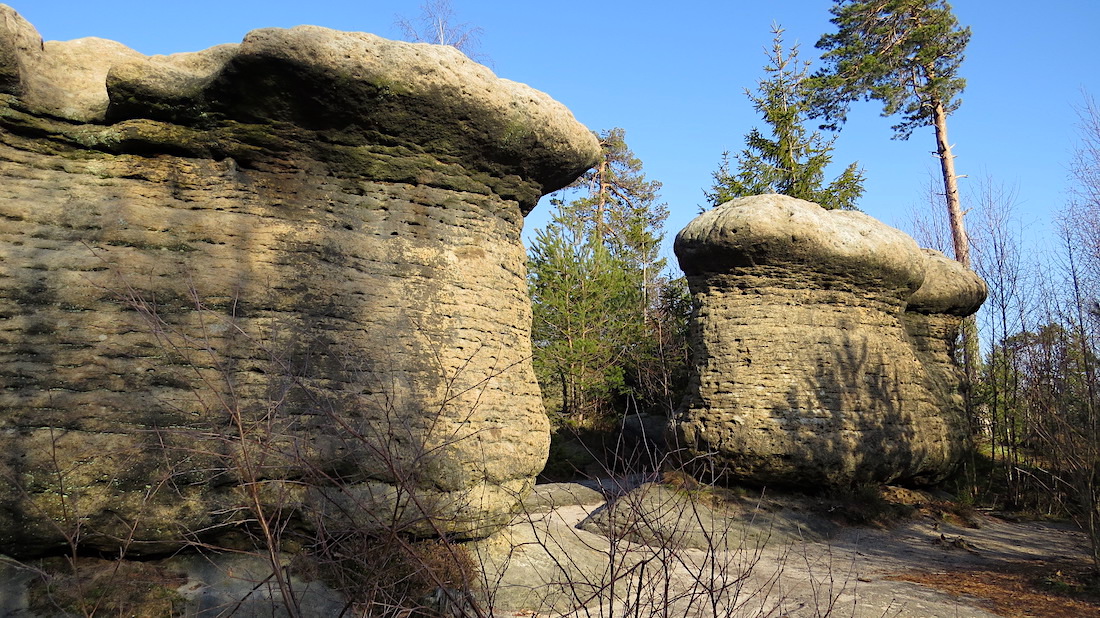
(605,316)
(904,53)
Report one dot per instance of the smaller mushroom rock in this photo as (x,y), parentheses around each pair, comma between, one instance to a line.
(805,372)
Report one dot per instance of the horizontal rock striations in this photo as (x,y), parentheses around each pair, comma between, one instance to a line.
(823,346)
(933,316)
(282,278)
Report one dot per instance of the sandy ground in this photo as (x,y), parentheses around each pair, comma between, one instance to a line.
(774,570)
(878,558)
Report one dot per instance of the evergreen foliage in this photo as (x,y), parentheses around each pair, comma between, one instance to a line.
(621,209)
(904,53)
(600,299)
(583,299)
(793,160)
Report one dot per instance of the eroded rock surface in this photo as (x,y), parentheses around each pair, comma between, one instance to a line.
(282,276)
(933,316)
(809,368)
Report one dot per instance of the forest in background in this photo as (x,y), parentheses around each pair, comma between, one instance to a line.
(610,316)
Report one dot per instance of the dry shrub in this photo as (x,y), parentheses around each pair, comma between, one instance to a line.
(390,574)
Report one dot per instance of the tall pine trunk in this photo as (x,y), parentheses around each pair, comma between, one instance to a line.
(961,243)
(951,186)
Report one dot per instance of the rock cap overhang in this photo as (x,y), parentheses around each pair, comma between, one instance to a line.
(350,88)
(323,229)
(949,288)
(778,230)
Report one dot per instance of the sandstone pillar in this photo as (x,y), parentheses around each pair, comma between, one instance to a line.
(284,275)
(806,369)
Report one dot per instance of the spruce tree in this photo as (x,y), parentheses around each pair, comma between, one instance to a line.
(792,160)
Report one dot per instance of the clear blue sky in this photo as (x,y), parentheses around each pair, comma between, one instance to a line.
(672,74)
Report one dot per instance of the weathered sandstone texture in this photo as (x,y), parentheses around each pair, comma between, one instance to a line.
(810,369)
(933,316)
(280,277)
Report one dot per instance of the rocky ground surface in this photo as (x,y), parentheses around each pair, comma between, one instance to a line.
(671,549)
(785,556)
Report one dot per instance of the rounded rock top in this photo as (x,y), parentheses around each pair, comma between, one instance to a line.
(949,288)
(786,232)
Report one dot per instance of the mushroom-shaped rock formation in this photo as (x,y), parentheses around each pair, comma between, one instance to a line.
(806,372)
(279,277)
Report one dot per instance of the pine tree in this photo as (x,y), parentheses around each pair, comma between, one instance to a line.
(622,208)
(906,54)
(596,286)
(584,305)
(793,160)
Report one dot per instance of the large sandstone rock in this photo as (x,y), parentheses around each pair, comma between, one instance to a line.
(283,276)
(809,368)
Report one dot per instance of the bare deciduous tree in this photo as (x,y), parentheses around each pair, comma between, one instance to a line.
(1002,263)
(436,24)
